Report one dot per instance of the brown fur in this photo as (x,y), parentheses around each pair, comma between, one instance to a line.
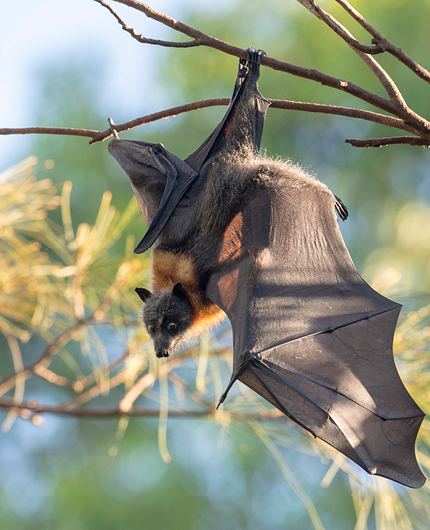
(231,177)
(169,268)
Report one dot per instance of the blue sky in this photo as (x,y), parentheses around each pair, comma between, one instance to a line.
(34,34)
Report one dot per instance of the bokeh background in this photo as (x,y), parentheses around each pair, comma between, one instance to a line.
(69,64)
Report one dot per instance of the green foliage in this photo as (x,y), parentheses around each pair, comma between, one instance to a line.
(68,313)
(66,288)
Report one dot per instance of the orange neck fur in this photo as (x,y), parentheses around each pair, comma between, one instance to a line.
(169,268)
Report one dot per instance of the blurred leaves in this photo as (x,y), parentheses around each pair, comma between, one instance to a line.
(25,291)
(68,310)
(50,277)
(67,288)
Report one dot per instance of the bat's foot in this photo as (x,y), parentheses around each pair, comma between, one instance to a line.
(255,57)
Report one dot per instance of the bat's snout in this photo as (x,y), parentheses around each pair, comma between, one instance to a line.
(162,353)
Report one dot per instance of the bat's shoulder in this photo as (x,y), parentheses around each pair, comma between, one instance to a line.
(286,175)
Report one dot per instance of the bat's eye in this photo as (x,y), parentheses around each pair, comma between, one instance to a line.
(151,329)
(171,326)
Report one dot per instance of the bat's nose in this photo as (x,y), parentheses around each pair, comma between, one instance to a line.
(162,353)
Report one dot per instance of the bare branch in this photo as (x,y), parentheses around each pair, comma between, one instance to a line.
(98,136)
(140,38)
(380,43)
(33,407)
(170,22)
(396,98)
(348,112)
(50,130)
(339,29)
(396,105)
(409,121)
(383,42)
(379,142)
(163,114)
(308,73)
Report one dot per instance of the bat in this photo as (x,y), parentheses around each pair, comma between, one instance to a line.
(257,240)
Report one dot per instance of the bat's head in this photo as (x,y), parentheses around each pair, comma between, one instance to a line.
(168,317)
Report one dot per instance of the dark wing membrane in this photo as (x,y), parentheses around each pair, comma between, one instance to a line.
(343,387)
(244,118)
(149,167)
(242,123)
(179,179)
(311,336)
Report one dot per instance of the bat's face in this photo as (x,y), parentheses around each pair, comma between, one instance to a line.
(168,318)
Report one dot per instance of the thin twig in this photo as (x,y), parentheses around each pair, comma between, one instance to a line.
(382,41)
(9,382)
(403,111)
(308,73)
(337,28)
(163,114)
(379,142)
(144,40)
(41,408)
(98,136)
(49,130)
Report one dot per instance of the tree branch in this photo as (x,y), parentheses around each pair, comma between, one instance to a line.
(379,142)
(99,136)
(308,73)
(348,112)
(339,29)
(396,105)
(34,407)
(406,120)
(383,42)
(140,38)
(403,111)
(9,382)
(163,114)
(50,130)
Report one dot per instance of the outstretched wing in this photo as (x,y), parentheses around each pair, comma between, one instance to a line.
(310,335)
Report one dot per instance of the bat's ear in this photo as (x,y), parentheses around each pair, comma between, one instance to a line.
(179,291)
(144,294)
